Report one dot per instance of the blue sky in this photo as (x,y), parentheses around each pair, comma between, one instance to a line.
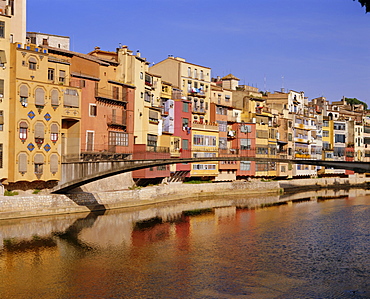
(321,47)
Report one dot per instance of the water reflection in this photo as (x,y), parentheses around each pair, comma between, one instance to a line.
(307,247)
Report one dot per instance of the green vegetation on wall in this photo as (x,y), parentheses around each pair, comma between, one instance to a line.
(354,101)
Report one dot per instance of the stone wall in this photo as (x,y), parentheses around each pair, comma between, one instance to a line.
(51,204)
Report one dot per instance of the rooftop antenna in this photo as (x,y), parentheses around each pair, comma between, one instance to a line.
(264,82)
(282,84)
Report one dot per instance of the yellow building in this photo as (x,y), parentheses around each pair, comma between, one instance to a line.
(4,95)
(45,116)
(204,144)
(195,83)
(327,139)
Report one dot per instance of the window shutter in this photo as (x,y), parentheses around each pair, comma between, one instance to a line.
(39,159)
(23,125)
(54,128)
(54,163)
(22,162)
(54,97)
(40,97)
(153,114)
(39,130)
(71,98)
(23,92)
(1,118)
(2,56)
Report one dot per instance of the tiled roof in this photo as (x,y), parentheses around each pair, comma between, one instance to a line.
(230,76)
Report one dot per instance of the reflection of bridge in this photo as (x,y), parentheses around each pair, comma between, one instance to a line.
(89,171)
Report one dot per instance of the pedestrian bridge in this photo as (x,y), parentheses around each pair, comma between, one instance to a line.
(76,174)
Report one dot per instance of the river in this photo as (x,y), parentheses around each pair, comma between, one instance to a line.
(315,246)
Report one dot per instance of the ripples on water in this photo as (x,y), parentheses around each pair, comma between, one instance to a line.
(301,250)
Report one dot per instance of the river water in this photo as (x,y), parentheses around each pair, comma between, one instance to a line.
(316,246)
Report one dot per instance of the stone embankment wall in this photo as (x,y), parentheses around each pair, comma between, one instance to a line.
(51,204)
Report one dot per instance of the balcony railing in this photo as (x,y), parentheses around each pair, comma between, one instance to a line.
(111,95)
(198,109)
(115,120)
(196,92)
(203,126)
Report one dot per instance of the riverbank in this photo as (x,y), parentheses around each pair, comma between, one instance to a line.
(52,204)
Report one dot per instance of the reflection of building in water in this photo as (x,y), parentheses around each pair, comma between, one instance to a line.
(142,235)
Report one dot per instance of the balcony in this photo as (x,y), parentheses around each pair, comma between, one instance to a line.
(262,110)
(202,126)
(231,134)
(110,96)
(199,110)
(117,121)
(196,92)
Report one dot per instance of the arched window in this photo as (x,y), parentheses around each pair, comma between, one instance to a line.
(22,163)
(23,129)
(32,63)
(39,133)
(39,97)
(54,164)
(54,133)
(23,94)
(54,98)
(39,163)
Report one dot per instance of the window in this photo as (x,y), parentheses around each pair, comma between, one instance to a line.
(185,123)
(325,133)
(340,138)
(195,73)
(23,93)
(89,141)
(62,76)
(23,128)
(260,166)
(245,165)
(22,162)
(153,116)
(147,97)
(54,133)
(2,29)
(1,120)
(222,126)
(185,107)
(326,146)
(152,140)
(71,98)
(204,140)
(51,74)
(201,75)
(189,72)
(54,163)
(1,89)
(1,155)
(39,133)
(185,144)
(54,98)
(115,92)
(118,138)
(246,128)
(32,63)
(92,110)
(39,164)
(245,144)
(39,98)
(222,142)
